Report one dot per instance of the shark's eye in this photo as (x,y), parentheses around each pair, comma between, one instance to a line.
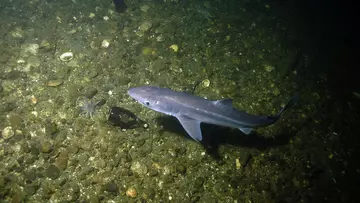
(147,103)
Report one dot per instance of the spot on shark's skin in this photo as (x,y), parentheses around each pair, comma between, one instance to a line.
(192,110)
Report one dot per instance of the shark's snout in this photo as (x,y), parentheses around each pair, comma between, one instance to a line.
(140,94)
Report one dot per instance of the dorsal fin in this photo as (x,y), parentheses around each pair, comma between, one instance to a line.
(224,102)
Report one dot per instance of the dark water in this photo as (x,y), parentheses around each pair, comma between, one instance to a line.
(259,53)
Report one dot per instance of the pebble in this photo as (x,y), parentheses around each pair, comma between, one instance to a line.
(138,168)
(51,128)
(30,175)
(244,159)
(276,91)
(131,192)
(145,8)
(73,64)
(111,187)
(145,26)
(174,47)
(67,56)
(31,48)
(105,44)
(46,147)
(54,83)
(52,172)
(268,68)
(34,61)
(7,132)
(16,121)
(148,194)
(181,169)
(205,83)
(71,192)
(31,189)
(62,160)
(160,38)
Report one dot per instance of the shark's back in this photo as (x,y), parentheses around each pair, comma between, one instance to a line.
(218,112)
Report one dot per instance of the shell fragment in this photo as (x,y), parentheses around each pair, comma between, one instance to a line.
(67,56)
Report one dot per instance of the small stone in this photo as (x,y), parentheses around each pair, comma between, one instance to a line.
(237,164)
(90,92)
(73,64)
(194,199)
(17,196)
(7,107)
(268,67)
(24,147)
(105,44)
(244,159)
(144,8)
(51,128)
(148,194)
(131,192)
(92,73)
(67,56)
(62,160)
(205,83)
(30,49)
(52,172)
(71,192)
(54,83)
(7,132)
(174,47)
(31,189)
(30,175)
(18,32)
(153,173)
(94,199)
(62,180)
(46,146)
(31,160)
(16,121)
(101,163)
(145,26)
(44,43)
(198,183)
(181,169)
(83,159)
(111,187)
(276,91)
(160,38)
(139,168)
(34,150)
(34,61)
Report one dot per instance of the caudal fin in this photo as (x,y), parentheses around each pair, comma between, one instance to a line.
(290,103)
(272,119)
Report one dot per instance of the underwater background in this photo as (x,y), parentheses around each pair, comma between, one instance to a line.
(69,132)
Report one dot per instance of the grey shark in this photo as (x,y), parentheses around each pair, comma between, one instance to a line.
(192,110)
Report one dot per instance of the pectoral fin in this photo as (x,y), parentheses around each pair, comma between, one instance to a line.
(191,126)
(246,131)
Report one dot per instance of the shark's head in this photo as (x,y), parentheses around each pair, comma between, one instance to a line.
(152,97)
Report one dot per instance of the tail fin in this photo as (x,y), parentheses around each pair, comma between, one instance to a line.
(290,103)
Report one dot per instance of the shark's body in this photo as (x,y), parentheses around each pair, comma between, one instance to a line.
(192,110)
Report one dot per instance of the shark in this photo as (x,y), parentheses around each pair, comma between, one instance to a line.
(192,110)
